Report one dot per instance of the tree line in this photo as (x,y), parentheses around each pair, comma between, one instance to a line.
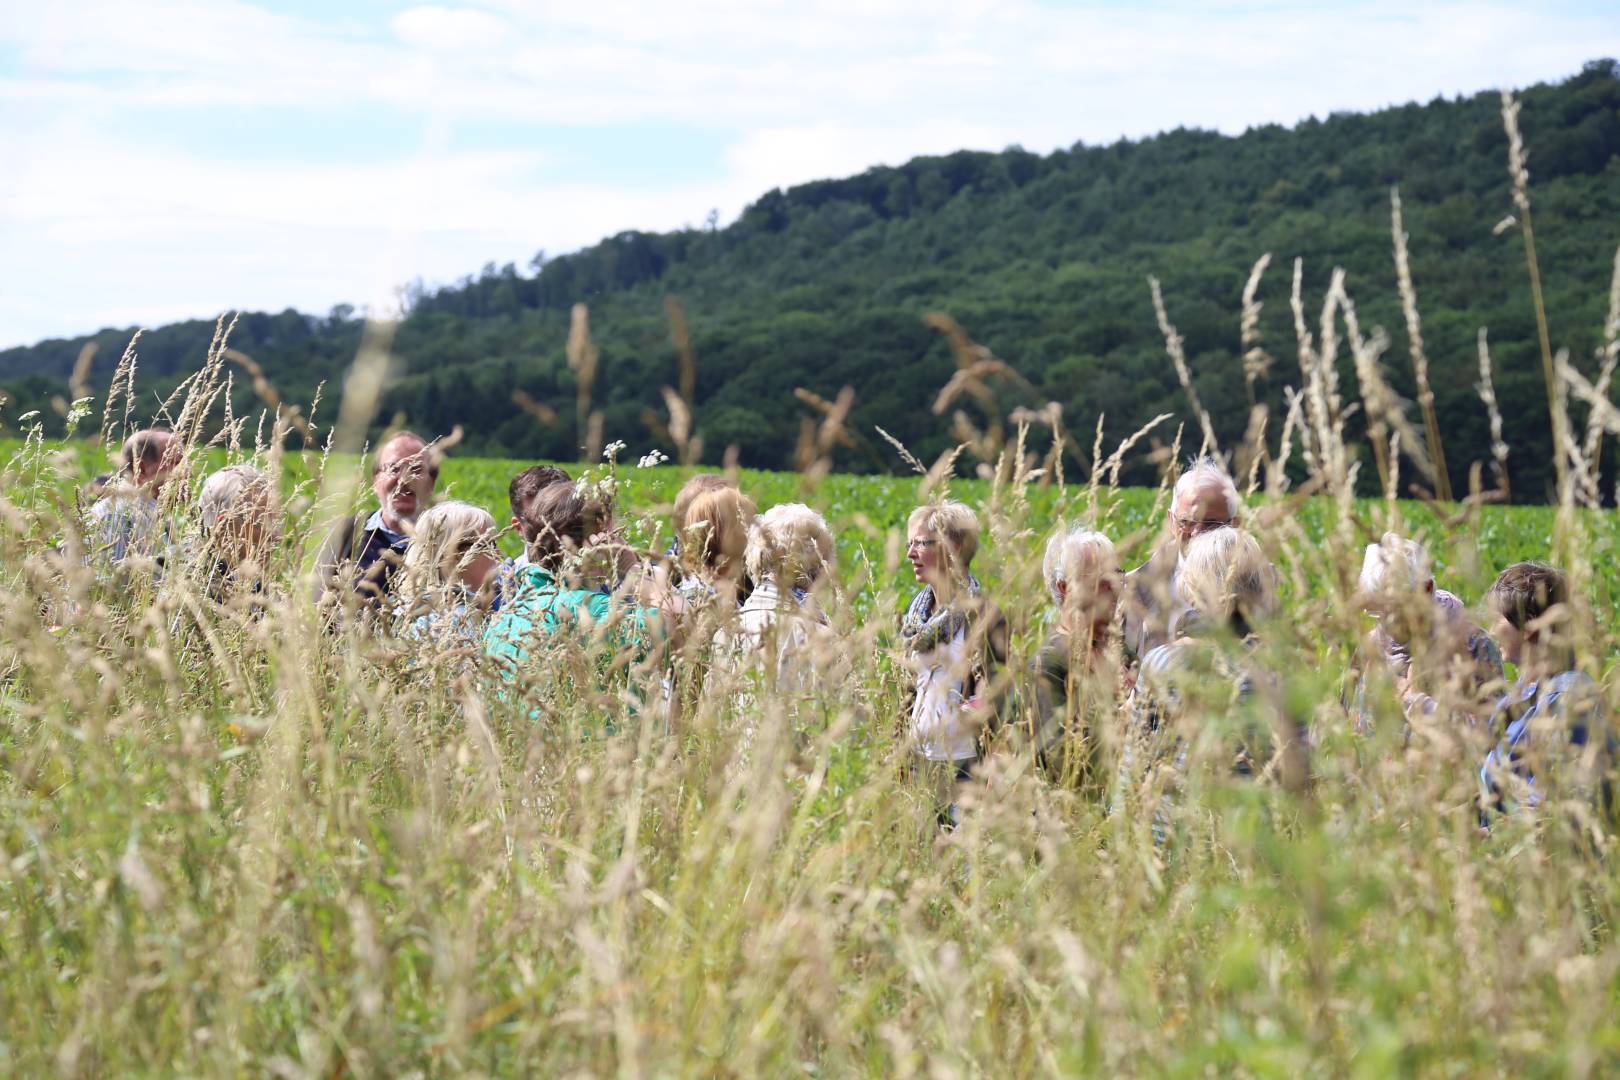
(1043,259)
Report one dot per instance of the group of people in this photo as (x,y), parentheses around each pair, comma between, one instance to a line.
(1175,658)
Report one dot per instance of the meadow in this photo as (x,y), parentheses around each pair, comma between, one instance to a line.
(236,845)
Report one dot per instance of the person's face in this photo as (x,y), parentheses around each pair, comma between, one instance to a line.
(1197,512)
(926,551)
(1406,617)
(476,568)
(1090,600)
(1509,638)
(153,473)
(403,484)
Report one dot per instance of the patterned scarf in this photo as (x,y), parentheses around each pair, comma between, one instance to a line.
(924,629)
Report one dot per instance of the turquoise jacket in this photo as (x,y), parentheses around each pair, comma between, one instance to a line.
(542,608)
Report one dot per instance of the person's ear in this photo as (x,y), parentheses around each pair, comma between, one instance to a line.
(1061,588)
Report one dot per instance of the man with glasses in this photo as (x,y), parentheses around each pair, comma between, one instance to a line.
(362,551)
(1203,499)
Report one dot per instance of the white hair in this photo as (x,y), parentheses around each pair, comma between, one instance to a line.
(236,491)
(1202,474)
(1395,564)
(789,544)
(1225,574)
(445,536)
(1070,553)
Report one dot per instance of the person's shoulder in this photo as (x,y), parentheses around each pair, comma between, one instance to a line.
(1160,564)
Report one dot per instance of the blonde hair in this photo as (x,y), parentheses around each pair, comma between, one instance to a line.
(1226,578)
(446,535)
(234,496)
(701,484)
(714,533)
(1395,564)
(789,544)
(1076,553)
(953,522)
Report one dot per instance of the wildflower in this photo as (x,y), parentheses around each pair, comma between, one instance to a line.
(653,459)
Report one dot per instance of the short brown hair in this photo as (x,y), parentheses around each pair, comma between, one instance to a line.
(530,482)
(1526,591)
(146,447)
(558,520)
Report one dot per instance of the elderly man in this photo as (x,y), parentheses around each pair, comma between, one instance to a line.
(126,519)
(362,552)
(1203,499)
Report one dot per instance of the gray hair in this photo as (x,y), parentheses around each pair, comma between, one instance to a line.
(789,544)
(233,493)
(1070,552)
(1205,472)
(1395,564)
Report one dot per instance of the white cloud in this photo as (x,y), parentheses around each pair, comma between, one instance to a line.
(433,27)
(95,222)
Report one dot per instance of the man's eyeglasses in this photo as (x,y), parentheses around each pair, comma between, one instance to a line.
(406,467)
(919,543)
(1197,526)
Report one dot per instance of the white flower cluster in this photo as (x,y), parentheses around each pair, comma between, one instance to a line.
(652,460)
(612,450)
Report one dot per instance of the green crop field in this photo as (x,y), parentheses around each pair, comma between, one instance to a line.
(234,844)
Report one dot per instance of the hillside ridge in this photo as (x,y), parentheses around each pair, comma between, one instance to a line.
(1042,258)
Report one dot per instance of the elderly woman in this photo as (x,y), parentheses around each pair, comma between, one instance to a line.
(954,640)
(1077,671)
(781,624)
(1203,693)
(240,525)
(1423,637)
(1550,722)
(442,585)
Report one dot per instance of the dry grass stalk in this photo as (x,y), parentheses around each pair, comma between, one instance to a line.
(583,358)
(1420,359)
(1256,361)
(1178,357)
(1487,394)
(1383,405)
(1608,358)
(1519,176)
(123,380)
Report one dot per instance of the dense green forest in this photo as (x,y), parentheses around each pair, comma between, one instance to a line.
(1042,259)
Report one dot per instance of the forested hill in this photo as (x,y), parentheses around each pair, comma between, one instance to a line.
(1043,259)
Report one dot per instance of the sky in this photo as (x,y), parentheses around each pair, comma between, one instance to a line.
(169,159)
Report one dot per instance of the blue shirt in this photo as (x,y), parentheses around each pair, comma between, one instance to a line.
(1568,703)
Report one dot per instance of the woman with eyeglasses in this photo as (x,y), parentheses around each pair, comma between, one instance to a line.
(1203,499)
(954,640)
